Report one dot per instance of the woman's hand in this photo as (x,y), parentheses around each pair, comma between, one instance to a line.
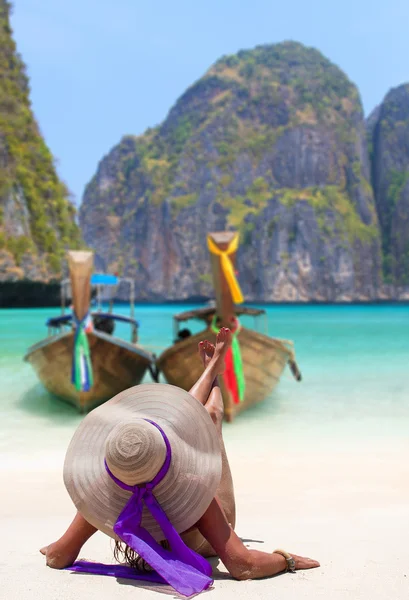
(63,553)
(304,563)
(60,555)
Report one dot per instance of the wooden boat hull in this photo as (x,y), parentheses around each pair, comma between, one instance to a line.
(264,360)
(117,365)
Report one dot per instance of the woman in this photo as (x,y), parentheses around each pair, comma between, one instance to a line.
(162,435)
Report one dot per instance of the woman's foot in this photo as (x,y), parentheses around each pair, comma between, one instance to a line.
(59,555)
(206,352)
(203,386)
(223,343)
(202,352)
(214,404)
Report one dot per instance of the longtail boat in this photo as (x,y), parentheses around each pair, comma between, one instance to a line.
(255,362)
(80,360)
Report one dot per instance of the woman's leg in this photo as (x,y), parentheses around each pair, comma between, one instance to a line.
(213,367)
(225,492)
(214,405)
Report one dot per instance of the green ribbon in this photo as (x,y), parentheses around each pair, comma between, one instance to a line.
(82,375)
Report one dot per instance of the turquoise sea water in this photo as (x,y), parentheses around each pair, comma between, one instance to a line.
(354,361)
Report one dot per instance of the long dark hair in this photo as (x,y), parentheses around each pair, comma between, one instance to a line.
(123,553)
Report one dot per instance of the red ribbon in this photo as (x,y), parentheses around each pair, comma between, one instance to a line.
(229,377)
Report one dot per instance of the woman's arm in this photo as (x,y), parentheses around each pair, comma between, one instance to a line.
(241,562)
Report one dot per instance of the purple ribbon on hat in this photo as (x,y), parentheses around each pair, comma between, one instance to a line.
(182,568)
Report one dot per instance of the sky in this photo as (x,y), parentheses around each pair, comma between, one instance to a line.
(101,69)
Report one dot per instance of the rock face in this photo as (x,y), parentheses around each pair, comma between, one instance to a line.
(388,132)
(271,142)
(36,217)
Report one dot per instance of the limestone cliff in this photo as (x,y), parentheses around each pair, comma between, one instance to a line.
(270,141)
(36,217)
(388,132)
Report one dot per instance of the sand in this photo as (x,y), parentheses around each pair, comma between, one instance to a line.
(344,503)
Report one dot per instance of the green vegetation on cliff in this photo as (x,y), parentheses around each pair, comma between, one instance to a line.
(333,200)
(246,103)
(269,141)
(388,134)
(27,174)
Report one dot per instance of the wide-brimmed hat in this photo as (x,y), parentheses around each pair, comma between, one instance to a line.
(118,435)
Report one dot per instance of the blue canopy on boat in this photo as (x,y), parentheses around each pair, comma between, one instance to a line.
(102,279)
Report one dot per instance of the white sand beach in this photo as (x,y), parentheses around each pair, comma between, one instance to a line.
(346,504)
(320,469)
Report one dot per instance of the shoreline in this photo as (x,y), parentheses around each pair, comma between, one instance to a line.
(19,298)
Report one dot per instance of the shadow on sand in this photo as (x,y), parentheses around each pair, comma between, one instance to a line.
(167,590)
(40,403)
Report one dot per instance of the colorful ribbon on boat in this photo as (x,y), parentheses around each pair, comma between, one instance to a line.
(81,374)
(227,266)
(182,568)
(233,375)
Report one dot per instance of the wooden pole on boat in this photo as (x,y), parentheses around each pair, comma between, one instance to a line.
(223,247)
(63,296)
(80,265)
(224,301)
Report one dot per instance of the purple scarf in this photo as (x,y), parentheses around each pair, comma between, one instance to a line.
(182,568)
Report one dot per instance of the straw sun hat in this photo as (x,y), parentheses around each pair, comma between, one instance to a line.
(135,450)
